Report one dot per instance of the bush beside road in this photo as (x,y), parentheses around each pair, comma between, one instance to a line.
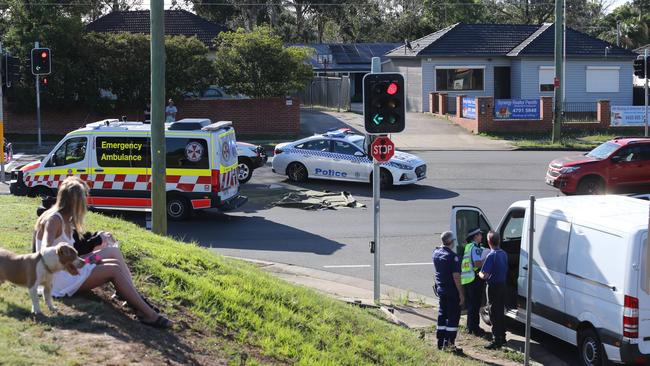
(225,309)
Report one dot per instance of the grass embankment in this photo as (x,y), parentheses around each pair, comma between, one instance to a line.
(225,305)
(569,140)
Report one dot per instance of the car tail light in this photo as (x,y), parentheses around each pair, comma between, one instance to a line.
(631,317)
(277,151)
(216,183)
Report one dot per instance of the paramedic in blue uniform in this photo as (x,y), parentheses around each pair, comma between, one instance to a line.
(450,292)
(494,271)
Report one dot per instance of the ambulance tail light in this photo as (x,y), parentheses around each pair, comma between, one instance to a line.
(631,317)
(216,181)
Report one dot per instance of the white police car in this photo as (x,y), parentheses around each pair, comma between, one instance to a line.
(340,155)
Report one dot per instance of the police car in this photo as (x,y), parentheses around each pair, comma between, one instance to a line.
(340,155)
(249,157)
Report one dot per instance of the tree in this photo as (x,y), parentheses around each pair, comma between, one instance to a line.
(634,24)
(258,65)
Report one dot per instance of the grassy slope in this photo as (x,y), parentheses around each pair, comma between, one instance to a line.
(287,323)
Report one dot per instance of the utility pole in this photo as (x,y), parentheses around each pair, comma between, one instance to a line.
(158,169)
(2,125)
(559,38)
(38,103)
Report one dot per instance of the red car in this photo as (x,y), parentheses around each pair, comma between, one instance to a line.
(621,164)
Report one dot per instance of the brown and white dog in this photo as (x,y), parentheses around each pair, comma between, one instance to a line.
(32,270)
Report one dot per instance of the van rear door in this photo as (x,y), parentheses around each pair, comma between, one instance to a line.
(644,295)
(225,161)
(464,219)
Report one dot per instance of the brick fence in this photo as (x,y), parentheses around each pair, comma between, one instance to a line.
(268,117)
(485,122)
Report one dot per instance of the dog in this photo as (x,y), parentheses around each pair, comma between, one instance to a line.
(32,270)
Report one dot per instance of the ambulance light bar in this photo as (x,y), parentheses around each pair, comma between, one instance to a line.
(217,126)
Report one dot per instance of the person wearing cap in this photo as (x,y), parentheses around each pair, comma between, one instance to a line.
(450,292)
(494,271)
(471,264)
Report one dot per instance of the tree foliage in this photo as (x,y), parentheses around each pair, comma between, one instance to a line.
(257,64)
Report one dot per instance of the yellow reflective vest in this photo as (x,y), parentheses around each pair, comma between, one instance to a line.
(467,274)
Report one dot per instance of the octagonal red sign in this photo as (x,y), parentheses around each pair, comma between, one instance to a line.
(382,149)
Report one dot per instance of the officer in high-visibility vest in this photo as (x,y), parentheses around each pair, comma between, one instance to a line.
(450,292)
(471,264)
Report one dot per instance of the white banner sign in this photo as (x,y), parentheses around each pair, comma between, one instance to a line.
(628,116)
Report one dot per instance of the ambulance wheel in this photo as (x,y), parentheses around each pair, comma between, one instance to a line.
(244,170)
(590,349)
(297,172)
(41,191)
(178,208)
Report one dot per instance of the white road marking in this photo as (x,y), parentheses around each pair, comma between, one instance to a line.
(349,266)
(409,264)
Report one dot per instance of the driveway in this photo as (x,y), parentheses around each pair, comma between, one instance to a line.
(423,131)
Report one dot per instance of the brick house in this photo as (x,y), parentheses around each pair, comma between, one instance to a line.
(510,61)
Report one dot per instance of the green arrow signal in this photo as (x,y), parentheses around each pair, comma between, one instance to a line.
(377,119)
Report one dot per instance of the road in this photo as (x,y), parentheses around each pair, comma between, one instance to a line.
(412,216)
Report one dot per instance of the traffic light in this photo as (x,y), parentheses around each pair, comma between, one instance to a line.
(11,69)
(45,82)
(639,70)
(384,103)
(41,61)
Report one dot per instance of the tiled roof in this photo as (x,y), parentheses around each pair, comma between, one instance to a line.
(177,23)
(487,40)
(347,56)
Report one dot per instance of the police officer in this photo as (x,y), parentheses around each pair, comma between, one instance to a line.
(474,286)
(450,292)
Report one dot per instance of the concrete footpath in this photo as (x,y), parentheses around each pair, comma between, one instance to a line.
(407,309)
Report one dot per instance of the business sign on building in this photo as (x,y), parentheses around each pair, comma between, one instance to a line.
(628,116)
(469,108)
(516,109)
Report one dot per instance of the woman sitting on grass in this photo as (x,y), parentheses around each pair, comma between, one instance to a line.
(56,225)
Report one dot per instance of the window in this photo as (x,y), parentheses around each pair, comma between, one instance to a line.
(187,153)
(546,77)
(634,153)
(602,79)
(72,151)
(513,228)
(461,78)
(316,145)
(124,152)
(342,147)
(551,243)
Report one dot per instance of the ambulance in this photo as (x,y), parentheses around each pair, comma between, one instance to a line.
(114,158)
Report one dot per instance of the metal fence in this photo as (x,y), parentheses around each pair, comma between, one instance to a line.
(329,92)
(579,112)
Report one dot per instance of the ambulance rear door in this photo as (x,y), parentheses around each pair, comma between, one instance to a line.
(225,162)
(119,176)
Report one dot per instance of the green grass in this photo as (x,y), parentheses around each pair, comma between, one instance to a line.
(569,141)
(215,297)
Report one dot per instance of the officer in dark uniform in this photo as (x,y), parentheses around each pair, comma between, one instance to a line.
(450,292)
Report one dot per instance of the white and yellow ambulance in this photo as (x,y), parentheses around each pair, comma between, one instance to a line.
(114,158)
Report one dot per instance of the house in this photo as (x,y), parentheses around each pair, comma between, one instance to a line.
(347,59)
(177,23)
(511,61)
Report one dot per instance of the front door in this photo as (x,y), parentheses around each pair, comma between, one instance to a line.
(630,166)
(69,159)
(349,162)
(464,219)
(502,82)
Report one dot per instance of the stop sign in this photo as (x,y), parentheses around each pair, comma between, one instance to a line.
(382,149)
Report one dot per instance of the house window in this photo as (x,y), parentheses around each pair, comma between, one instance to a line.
(459,78)
(546,76)
(602,79)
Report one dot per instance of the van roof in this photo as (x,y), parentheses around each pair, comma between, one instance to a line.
(192,124)
(614,212)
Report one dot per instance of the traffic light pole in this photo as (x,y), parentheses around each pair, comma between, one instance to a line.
(376,199)
(38,104)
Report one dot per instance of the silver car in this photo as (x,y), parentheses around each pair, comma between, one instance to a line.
(340,155)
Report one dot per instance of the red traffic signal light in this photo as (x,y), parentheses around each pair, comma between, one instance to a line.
(392,89)
(45,81)
(44,54)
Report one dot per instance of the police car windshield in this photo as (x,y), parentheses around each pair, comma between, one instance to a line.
(357,140)
(604,150)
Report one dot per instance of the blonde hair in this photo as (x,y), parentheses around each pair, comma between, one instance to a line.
(70,201)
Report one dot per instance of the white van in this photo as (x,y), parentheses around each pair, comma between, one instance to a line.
(114,158)
(591,271)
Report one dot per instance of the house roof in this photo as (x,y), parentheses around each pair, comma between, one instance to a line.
(514,40)
(347,56)
(177,23)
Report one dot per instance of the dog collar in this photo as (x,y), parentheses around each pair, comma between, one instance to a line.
(44,263)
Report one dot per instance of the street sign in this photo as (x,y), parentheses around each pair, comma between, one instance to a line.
(382,149)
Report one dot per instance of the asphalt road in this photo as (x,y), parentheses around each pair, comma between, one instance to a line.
(412,217)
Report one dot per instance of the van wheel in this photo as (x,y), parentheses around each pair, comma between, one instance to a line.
(591,185)
(41,191)
(178,208)
(297,172)
(590,349)
(244,170)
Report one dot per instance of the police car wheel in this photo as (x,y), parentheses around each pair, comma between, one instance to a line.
(178,208)
(385,179)
(244,171)
(297,172)
(590,349)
